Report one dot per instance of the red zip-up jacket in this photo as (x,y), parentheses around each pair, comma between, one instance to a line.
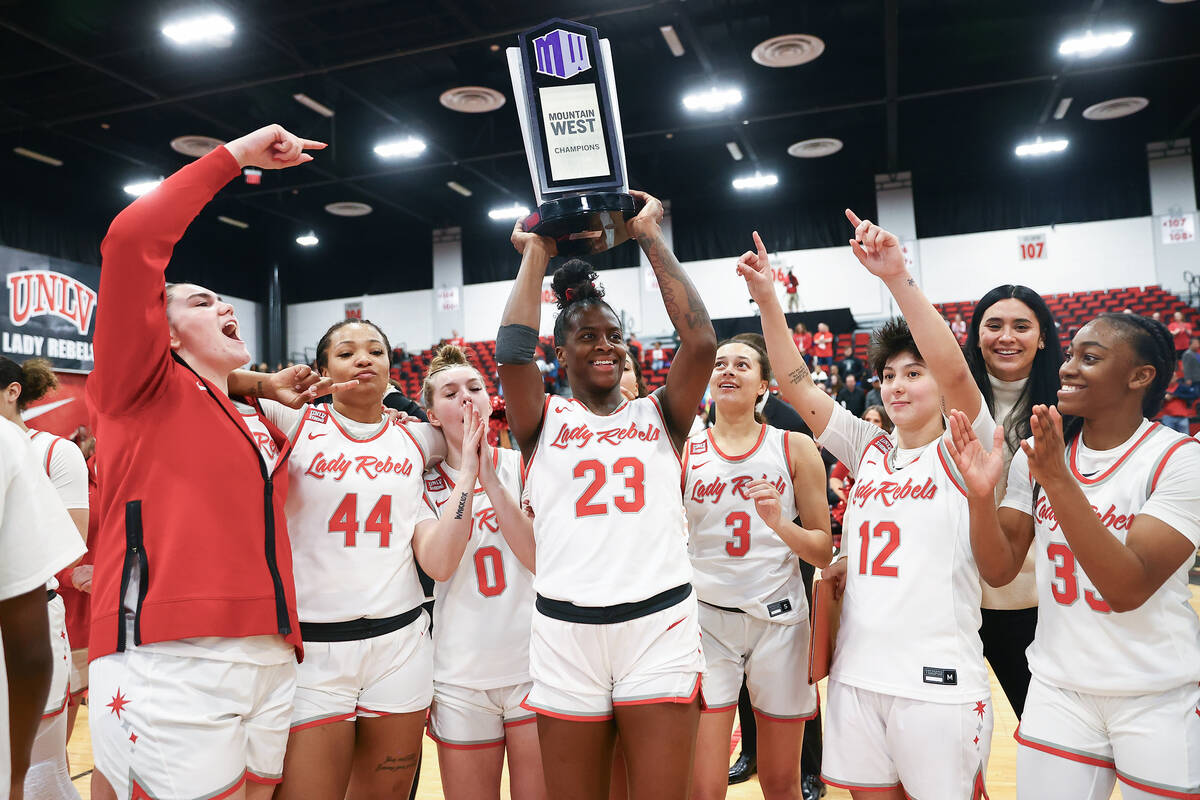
(186,502)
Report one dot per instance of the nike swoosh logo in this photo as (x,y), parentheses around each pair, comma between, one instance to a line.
(699,465)
(315,435)
(34,413)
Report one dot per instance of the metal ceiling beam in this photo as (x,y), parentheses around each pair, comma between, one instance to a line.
(331,68)
(891,50)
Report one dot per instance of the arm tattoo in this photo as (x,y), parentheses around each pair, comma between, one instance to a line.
(800,374)
(911,282)
(675,286)
(258,390)
(462,506)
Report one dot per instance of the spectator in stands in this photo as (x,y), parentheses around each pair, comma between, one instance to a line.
(823,345)
(836,382)
(803,340)
(1014,354)
(852,397)
(1181,331)
(851,364)
(634,346)
(456,340)
(959,328)
(1191,363)
(1177,410)
(793,297)
(874,398)
(820,377)
(262,367)
(1156,316)
(657,357)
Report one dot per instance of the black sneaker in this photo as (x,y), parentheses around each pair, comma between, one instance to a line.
(743,768)
(811,787)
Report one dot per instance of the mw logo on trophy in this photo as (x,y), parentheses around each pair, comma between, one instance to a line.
(566,100)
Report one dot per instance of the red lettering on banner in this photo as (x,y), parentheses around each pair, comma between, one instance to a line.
(889,492)
(36,293)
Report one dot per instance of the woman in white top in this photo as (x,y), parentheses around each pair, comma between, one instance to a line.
(1108,503)
(615,640)
(484,598)
(1013,350)
(744,484)
(358,517)
(909,700)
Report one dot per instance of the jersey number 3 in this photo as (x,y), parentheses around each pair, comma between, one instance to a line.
(345,520)
(632,501)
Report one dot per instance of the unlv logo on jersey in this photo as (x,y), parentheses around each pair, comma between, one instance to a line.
(699,448)
(317,415)
(435,485)
(39,292)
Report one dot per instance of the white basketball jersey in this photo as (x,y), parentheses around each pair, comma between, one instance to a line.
(737,560)
(608,516)
(1081,644)
(486,608)
(910,615)
(352,507)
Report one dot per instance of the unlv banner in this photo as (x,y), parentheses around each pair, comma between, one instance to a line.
(49,309)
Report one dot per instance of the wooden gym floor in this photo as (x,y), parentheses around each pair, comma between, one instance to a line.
(1001,778)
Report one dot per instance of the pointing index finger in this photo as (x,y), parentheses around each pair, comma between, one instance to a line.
(758,243)
(854,220)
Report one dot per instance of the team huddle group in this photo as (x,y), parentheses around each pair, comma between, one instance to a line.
(257,623)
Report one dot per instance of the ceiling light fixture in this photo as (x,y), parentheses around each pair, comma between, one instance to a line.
(511,212)
(1093,44)
(734,150)
(237,223)
(139,188)
(1063,105)
(21,151)
(348,208)
(672,39)
(458,187)
(214,29)
(307,240)
(788,50)
(409,148)
(713,100)
(1041,148)
(814,148)
(756,181)
(308,102)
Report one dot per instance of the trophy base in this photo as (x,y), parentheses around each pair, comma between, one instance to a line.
(584,224)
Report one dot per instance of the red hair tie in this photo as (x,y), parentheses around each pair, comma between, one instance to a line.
(570,295)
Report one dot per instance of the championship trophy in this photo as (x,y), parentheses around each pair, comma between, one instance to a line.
(566,99)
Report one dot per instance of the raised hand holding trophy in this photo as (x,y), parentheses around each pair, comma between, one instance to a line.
(566,100)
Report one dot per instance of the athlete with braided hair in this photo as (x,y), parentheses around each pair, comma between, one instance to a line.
(1109,502)
(615,639)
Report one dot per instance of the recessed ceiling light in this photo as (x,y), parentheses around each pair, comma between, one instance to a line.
(458,187)
(511,212)
(1093,44)
(54,162)
(307,239)
(472,99)
(1041,148)
(672,39)
(734,150)
(410,148)
(814,148)
(1063,105)
(308,102)
(214,29)
(789,50)
(713,100)
(495,48)
(237,223)
(349,208)
(1115,108)
(195,146)
(755,181)
(139,188)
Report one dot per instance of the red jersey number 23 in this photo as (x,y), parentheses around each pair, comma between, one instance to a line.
(632,500)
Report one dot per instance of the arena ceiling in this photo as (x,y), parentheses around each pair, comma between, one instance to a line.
(920,85)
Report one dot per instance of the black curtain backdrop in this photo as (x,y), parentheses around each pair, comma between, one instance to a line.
(488,255)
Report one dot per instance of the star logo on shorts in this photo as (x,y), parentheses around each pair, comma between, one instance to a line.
(979,708)
(1198,712)
(133,738)
(118,703)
